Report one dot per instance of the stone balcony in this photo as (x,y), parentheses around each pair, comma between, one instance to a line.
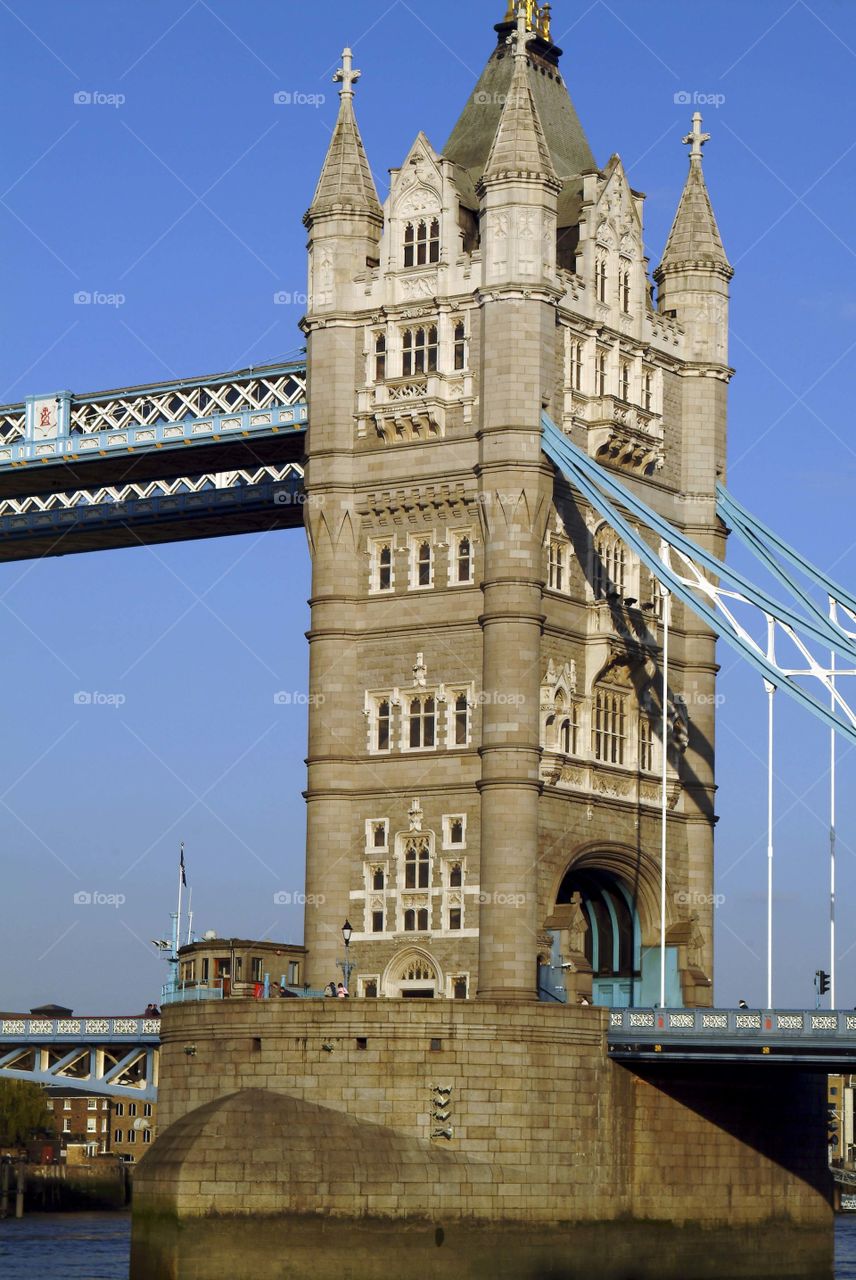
(602,782)
(413,408)
(619,433)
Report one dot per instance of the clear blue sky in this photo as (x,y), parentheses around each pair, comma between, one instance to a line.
(186,197)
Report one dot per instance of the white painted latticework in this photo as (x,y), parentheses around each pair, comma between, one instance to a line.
(641,1019)
(789,1022)
(747,1021)
(715,1021)
(824,1022)
(681,1020)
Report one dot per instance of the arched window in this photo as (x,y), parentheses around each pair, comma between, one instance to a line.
(419,351)
(625,380)
(380,357)
(409,920)
(409,238)
(577,366)
(600,276)
(434,241)
(455,876)
(379,839)
(423,717)
(624,288)
(460,345)
(417,865)
(382,726)
(610,565)
(608,729)
(407,353)
(462,720)
(647,390)
(601,373)
(557,565)
(377,878)
(456,831)
(646,744)
(423,564)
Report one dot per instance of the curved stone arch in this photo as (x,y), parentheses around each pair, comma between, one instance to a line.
(634,870)
(396,974)
(416,202)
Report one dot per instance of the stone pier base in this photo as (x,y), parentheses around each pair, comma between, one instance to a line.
(316,1138)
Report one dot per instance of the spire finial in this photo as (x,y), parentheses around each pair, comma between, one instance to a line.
(523,36)
(347,75)
(696,139)
(537,16)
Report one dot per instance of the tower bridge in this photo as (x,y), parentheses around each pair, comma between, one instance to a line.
(510,461)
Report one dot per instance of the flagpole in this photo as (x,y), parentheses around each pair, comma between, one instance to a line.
(178,914)
(190,915)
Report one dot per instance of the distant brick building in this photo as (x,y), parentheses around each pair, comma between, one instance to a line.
(102,1125)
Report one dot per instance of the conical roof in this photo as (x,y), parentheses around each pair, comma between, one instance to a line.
(472,138)
(346,180)
(519,147)
(694,238)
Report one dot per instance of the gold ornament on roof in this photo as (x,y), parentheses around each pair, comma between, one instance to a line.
(538,16)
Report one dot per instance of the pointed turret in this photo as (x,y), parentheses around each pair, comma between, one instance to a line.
(694,239)
(345,218)
(519,148)
(346,181)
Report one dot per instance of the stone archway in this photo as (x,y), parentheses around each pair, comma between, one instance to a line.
(608,933)
(414,975)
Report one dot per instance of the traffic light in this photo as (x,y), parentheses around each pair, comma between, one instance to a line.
(822,982)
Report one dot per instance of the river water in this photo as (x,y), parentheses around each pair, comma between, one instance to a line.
(96,1246)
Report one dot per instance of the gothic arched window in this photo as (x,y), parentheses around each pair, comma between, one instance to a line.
(609,720)
(465,560)
(417,865)
(422,243)
(646,743)
(625,380)
(460,345)
(409,238)
(382,726)
(380,357)
(610,565)
(624,287)
(377,878)
(600,276)
(384,566)
(423,718)
(647,390)
(462,720)
(577,366)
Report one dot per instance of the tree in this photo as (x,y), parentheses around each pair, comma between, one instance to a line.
(22,1112)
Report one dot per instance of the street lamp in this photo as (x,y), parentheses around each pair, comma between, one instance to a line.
(346,963)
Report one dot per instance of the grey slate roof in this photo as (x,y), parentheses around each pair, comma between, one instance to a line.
(519,146)
(472,138)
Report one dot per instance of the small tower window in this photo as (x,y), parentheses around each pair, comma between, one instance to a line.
(423,564)
(380,357)
(624,288)
(423,719)
(434,241)
(414,920)
(454,917)
(409,238)
(377,878)
(460,989)
(577,366)
(379,837)
(557,565)
(384,575)
(422,243)
(382,726)
(455,876)
(600,277)
(608,728)
(646,744)
(647,390)
(625,380)
(456,831)
(610,565)
(419,351)
(601,373)
(460,345)
(463,570)
(462,720)
(377,922)
(417,866)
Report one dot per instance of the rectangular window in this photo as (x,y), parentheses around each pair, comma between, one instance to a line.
(66,1126)
(419,348)
(454,917)
(205,970)
(370,988)
(91,1125)
(460,988)
(569,731)
(647,390)
(294,973)
(422,717)
(117,1135)
(380,357)
(577,366)
(460,345)
(625,380)
(256,965)
(462,568)
(66,1106)
(456,831)
(624,288)
(421,563)
(460,735)
(91,1104)
(49,1104)
(601,373)
(383,716)
(557,565)
(381,575)
(377,922)
(608,729)
(646,744)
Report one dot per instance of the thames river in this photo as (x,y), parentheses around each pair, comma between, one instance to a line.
(96,1246)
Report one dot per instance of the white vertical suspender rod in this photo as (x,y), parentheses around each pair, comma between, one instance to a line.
(771,693)
(832,821)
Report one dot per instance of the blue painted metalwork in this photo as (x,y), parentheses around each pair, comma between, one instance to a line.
(594,483)
(811,1037)
(767,545)
(117,1057)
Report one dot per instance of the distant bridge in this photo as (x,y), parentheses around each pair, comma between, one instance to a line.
(116,1056)
(160,462)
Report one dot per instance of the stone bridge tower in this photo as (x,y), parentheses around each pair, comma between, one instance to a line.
(485,743)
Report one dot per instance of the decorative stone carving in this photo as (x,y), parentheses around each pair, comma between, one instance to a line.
(415,815)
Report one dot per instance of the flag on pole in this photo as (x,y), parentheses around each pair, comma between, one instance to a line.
(181,868)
